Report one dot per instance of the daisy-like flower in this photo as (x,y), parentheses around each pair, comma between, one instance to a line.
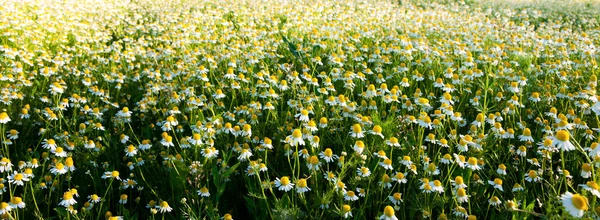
(363,172)
(396,198)
(357,131)
(399,177)
(350,196)
(386,181)
(302,186)
(203,192)
(380,154)
(426,186)
(437,186)
(17,202)
(210,152)
(67,200)
(111,174)
(388,214)
(59,168)
(591,187)
(5,165)
(575,204)
(586,170)
(532,176)
(329,176)
(303,116)
(313,163)
(4,118)
(461,195)
(164,207)
(284,184)
(460,212)
(406,161)
(472,164)
(432,169)
(346,211)
(12,134)
(517,187)
(5,208)
(49,144)
(497,184)
(296,138)
(94,198)
(501,169)
(245,154)
(446,159)
(130,151)
(17,179)
(359,147)
(386,164)
(328,155)
(526,136)
(459,182)
(123,199)
(561,141)
(377,131)
(59,152)
(495,201)
(393,141)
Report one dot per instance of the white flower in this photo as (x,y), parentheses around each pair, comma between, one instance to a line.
(284,184)
(575,204)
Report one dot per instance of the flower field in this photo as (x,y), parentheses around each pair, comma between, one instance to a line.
(311,109)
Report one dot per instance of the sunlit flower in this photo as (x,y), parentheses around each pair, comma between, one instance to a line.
(575,204)
(284,184)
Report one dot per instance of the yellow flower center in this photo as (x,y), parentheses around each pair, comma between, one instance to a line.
(399,175)
(592,185)
(314,160)
(346,208)
(302,183)
(459,180)
(388,211)
(297,133)
(472,161)
(580,202)
(498,181)
(562,135)
(67,196)
(284,180)
(461,192)
(164,204)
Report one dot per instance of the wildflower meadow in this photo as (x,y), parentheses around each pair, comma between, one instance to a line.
(308,109)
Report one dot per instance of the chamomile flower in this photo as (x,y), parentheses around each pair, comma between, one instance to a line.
(532,176)
(328,155)
(591,187)
(396,198)
(561,141)
(164,207)
(203,192)
(497,183)
(575,204)
(461,195)
(67,200)
(388,214)
(284,184)
(350,196)
(302,186)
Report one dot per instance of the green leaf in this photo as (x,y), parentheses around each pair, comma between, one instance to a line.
(229,171)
